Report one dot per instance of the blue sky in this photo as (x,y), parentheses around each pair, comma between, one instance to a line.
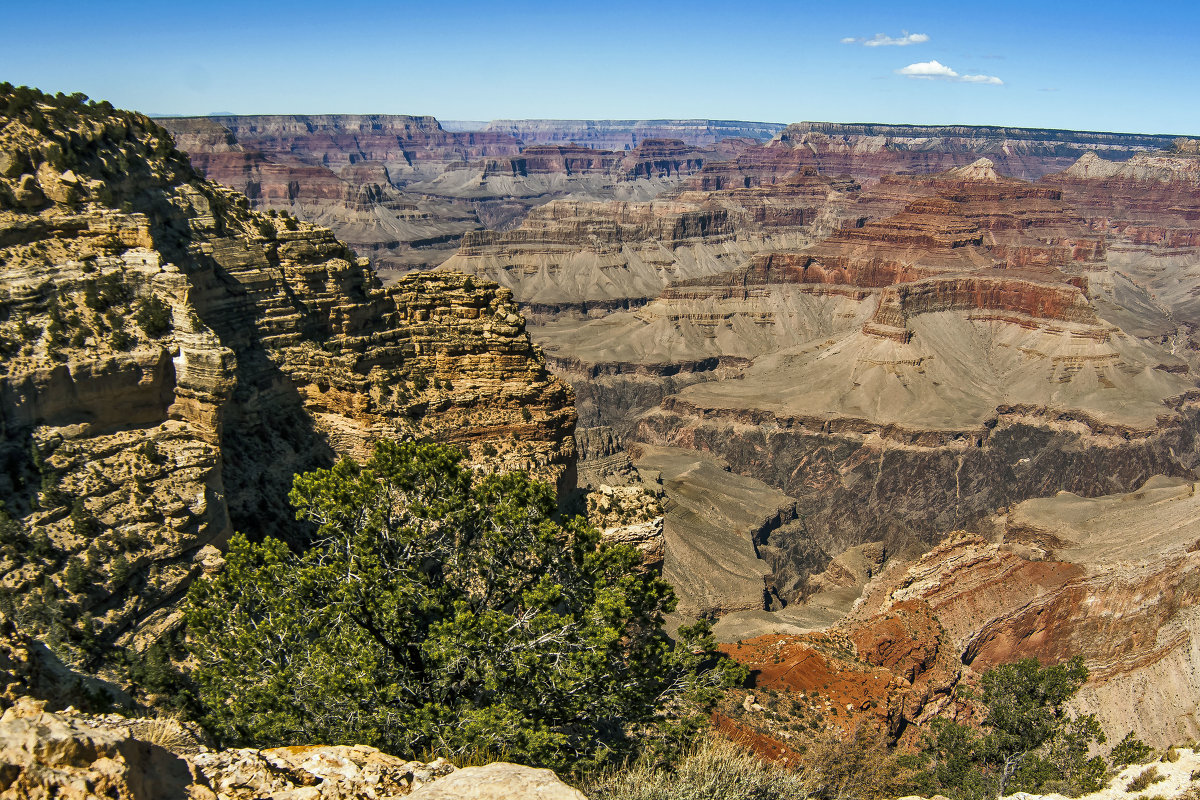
(1086,65)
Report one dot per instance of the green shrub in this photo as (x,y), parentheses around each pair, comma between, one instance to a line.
(1130,750)
(120,340)
(119,570)
(1028,741)
(151,453)
(153,316)
(76,577)
(83,524)
(437,610)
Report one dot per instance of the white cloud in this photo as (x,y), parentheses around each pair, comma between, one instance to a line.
(883,40)
(991,80)
(928,69)
(935,70)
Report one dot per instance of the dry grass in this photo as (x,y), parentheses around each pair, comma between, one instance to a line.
(714,769)
(718,769)
(1148,776)
(168,733)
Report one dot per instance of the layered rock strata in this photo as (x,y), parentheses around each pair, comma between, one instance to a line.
(347,172)
(869,152)
(906,375)
(592,257)
(173,358)
(402,190)
(627,134)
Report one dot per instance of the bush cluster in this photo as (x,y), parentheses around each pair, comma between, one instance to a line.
(438,611)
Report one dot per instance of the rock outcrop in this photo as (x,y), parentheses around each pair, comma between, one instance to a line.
(172,358)
(75,756)
(499,781)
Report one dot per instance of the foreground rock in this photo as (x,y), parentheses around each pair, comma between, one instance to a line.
(74,756)
(499,782)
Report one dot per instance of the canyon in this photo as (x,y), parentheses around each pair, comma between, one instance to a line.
(890,405)
(813,352)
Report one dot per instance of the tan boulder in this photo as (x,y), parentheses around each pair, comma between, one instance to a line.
(499,781)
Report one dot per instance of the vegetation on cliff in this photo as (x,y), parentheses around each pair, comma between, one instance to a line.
(170,359)
(1029,742)
(444,612)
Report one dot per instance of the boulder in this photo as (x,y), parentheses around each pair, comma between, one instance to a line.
(499,781)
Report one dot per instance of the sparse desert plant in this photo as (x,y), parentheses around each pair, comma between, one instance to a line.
(1144,779)
(168,733)
(153,316)
(713,768)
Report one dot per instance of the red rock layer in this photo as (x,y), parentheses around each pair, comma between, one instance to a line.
(970,240)
(1152,200)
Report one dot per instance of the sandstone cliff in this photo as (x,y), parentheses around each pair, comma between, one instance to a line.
(171,358)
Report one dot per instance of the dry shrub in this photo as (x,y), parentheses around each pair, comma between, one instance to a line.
(1147,777)
(168,733)
(864,768)
(714,769)
(718,769)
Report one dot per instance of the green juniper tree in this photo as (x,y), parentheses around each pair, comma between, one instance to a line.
(440,612)
(1029,742)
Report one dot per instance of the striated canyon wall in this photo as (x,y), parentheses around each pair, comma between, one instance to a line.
(172,358)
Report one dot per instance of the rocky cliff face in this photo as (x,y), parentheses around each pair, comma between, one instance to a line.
(587,257)
(869,152)
(172,358)
(943,354)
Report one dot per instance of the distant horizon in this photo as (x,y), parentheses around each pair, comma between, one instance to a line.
(486,122)
(1074,66)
